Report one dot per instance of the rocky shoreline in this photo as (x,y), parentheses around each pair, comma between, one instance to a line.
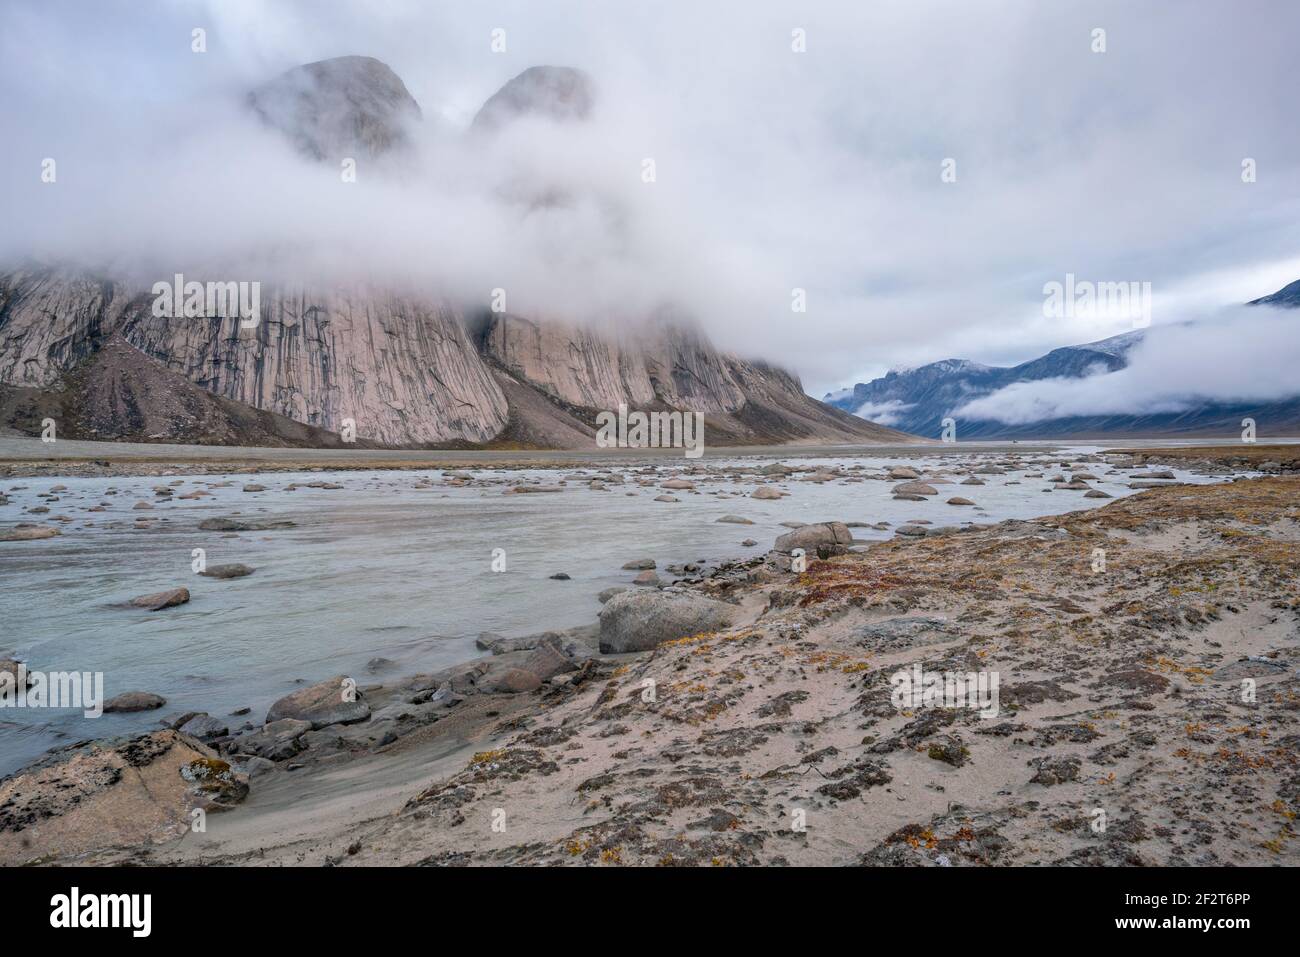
(744,715)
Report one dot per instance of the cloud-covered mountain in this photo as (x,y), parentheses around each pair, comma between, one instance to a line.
(409,363)
(1192,378)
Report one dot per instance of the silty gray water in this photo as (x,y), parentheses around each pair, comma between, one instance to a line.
(382,568)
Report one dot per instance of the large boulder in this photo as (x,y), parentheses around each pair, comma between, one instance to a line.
(640,620)
(95,795)
(823,540)
(333,701)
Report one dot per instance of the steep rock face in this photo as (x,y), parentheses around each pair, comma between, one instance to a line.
(403,370)
(568,362)
(668,362)
(49,322)
(686,371)
(345,106)
(667,365)
(120,394)
(559,93)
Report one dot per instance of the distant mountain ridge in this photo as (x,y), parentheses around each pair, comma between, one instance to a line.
(917,400)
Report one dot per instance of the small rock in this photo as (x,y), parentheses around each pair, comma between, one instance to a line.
(204,727)
(233,570)
(10,666)
(131,701)
(163,599)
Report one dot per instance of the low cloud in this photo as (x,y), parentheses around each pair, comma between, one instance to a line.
(1246,354)
(776,170)
(888,413)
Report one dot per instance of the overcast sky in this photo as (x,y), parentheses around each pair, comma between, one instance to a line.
(775,169)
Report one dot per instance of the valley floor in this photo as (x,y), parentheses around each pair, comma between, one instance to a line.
(25,456)
(1148,713)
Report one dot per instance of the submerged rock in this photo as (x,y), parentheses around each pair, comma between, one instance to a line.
(244,525)
(130,701)
(233,570)
(10,667)
(915,488)
(162,599)
(27,532)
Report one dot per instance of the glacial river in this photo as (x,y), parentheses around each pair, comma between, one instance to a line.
(382,569)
